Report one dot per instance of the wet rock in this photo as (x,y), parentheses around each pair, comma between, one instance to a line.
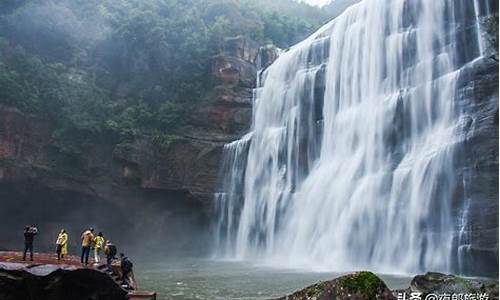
(18,137)
(241,47)
(234,70)
(359,285)
(366,285)
(236,64)
(477,167)
(228,110)
(268,54)
(56,282)
(441,284)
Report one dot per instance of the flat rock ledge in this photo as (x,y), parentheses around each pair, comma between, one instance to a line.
(368,286)
(45,281)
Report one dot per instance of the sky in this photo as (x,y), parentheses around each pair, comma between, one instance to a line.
(317,2)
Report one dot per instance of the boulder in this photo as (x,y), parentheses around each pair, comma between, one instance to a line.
(50,282)
(441,284)
(360,285)
(366,285)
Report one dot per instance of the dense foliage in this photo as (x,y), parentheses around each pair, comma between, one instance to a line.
(127,68)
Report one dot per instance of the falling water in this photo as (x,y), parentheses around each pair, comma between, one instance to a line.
(350,159)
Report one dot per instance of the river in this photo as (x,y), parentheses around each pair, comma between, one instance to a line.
(187,279)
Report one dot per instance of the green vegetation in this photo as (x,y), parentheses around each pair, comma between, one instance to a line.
(365,283)
(466,285)
(114,70)
(316,290)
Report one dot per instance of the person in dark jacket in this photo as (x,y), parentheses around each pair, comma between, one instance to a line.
(110,252)
(29,236)
(126,266)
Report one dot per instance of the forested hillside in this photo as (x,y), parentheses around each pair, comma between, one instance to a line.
(113,70)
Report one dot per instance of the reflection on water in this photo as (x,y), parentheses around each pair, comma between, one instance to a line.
(207,279)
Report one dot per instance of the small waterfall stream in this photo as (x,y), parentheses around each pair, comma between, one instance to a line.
(350,160)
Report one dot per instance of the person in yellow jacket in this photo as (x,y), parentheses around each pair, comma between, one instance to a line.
(98,245)
(62,244)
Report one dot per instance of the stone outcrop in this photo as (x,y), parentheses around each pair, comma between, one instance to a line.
(440,284)
(187,164)
(228,107)
(48,282)
(360,285)
(366,285)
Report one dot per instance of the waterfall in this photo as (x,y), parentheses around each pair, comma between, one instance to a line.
(350,160)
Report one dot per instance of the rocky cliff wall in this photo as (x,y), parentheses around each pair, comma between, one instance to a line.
(170,184)
(477,164)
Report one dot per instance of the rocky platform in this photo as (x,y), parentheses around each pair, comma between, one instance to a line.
(46,278)
(368,286)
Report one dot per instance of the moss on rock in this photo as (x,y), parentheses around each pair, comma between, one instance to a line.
(365,283)
(360,285)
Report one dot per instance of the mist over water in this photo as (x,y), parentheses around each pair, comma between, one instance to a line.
(350,160)
(183,279)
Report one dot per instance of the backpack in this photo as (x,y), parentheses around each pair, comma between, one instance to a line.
(127,264)
(112,250)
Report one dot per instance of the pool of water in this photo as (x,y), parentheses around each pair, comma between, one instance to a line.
(185,279)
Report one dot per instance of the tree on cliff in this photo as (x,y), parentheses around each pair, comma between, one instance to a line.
(113,70)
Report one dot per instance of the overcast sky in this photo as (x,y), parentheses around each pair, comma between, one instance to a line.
(317,2)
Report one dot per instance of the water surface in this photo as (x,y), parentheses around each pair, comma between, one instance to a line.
(208,279)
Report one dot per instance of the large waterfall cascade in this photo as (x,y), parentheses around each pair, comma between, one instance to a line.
(350,160)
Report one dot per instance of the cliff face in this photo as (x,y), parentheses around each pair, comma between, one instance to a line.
(477,199)
(177,177)
(190,162)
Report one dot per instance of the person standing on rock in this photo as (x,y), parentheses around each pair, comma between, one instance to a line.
(98,243)
(126,266)
(29,237)
(62,244)
(87,239)
(110,251)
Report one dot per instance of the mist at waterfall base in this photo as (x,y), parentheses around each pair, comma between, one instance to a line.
(351,161)
(210,279)
(148,227)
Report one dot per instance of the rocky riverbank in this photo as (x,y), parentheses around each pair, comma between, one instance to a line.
(49,279)
(18,281)
(367,286)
